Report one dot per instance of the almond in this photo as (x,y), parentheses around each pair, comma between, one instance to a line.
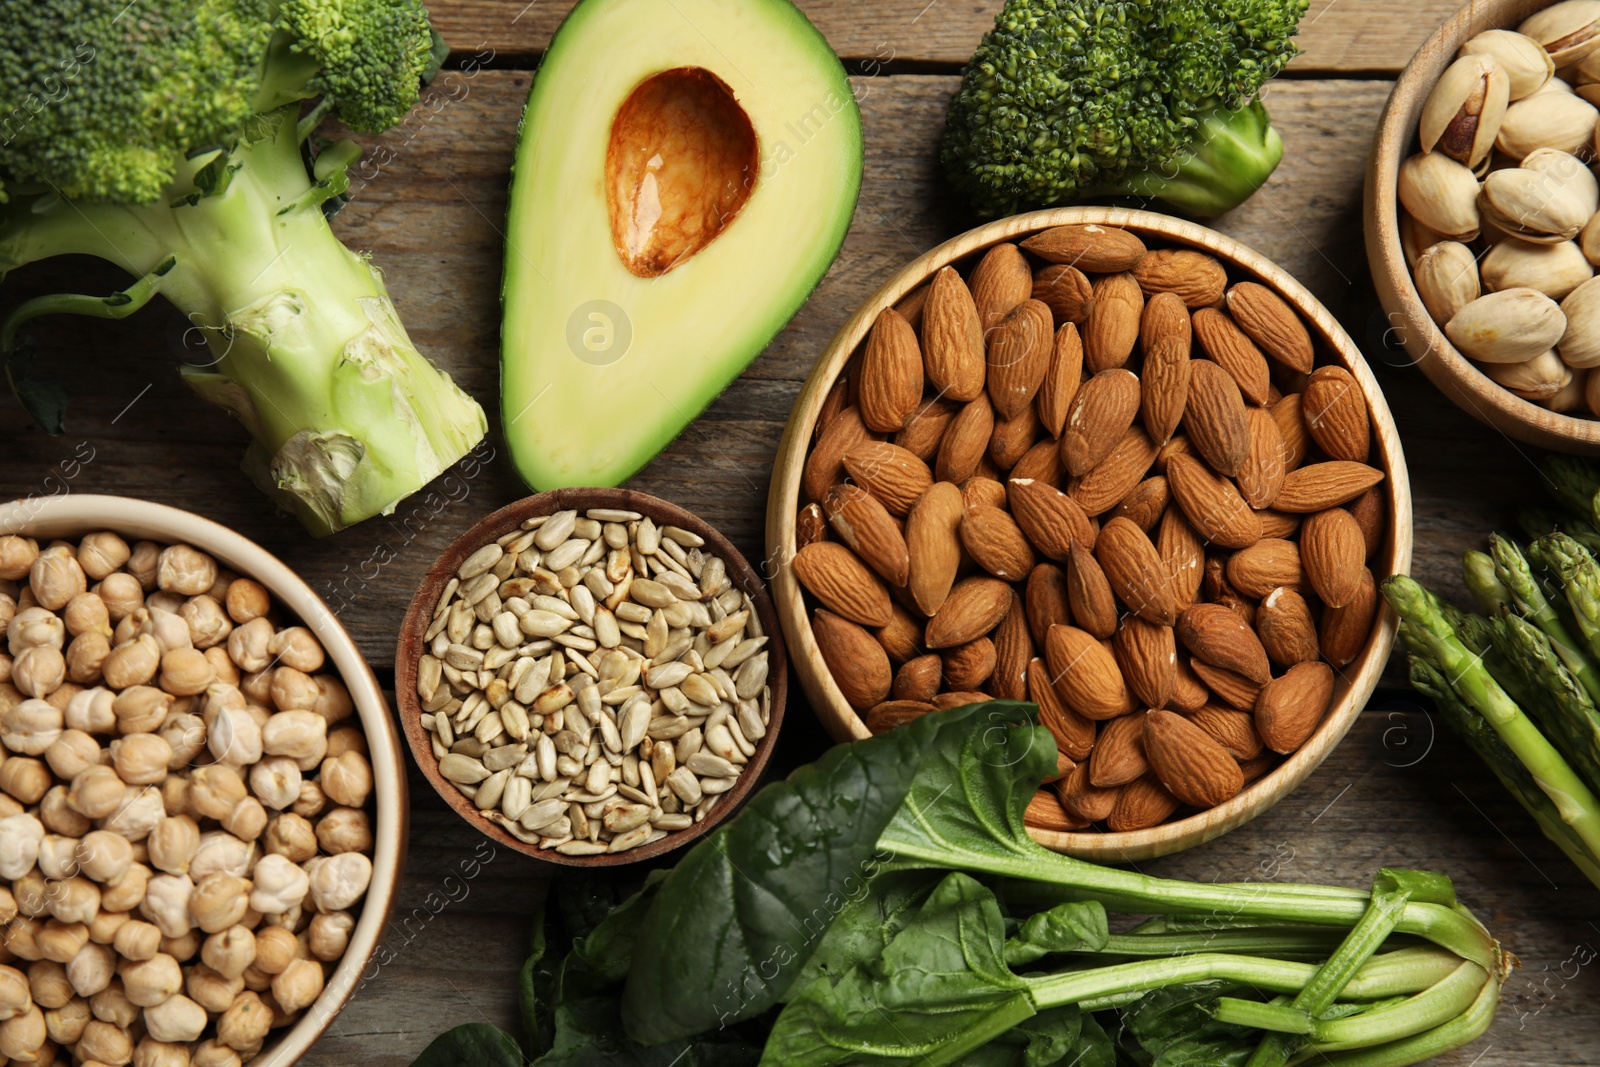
(1336,414)
(1013,649)
(862,523)
(1101,413)
(893,475)
(1085,674)
(1345,630)
(1261,476)
(1044,601)
(973,608)
(1234,690)
(983,492)
(1001,280)
(1065,290)
(1185,759)
(825,466)
(1165,320)
(1089,594)
(1112,327)
(836,401)
(1291,423)
(952,338)
(918,679)
(1325,485)
(810,526)
(968,666)
(891,373)
(1234,730)
(912,304)
(1370,512)
(1041,463)
(1245,609)
(902,638)
(1114,477)
(1286,628)
(1217,636)
(956,700)
(886,716)
(1044,812)
(1013,437)
(1148,656)
(1177,446)
(1189,693)
(1020,348)
(966,440)
(1195,277)
(857,662)
(1146,504)
(1051,519)
(1080,797)
(1211,504)
(1061,379)
(1334,553)
(996,543)
(1141,804)
(1073,733)
(1064,767)
(1272,324)
(933,544)
(1118,757)
(1264,566)
(836,576)
(1182,557)
(1215,418)
(1088,246)
(1134,570)
(925,428)
(1234,352)
(1290,708)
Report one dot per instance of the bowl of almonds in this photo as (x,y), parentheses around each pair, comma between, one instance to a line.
(1120,466)
(592,676)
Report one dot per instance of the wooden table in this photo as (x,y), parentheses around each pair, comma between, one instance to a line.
(1397,792)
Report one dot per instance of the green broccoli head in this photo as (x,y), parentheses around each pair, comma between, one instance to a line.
(372,55)
(1068,98)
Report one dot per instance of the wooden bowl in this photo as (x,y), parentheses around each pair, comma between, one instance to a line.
(510,518)
(78,514)
(1355,683)
(1455,375)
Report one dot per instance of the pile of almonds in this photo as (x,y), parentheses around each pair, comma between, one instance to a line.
(1103,479)
(1501,219)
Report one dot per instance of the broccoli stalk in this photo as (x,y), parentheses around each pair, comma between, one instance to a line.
(348,418)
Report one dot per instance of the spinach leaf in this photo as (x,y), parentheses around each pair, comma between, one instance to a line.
(867,924)
(1173,1027)
(1077,926)
(733,924)
(535,987)
(472,1045)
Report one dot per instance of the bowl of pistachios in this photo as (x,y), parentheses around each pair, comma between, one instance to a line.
(592,676)
(1483,216)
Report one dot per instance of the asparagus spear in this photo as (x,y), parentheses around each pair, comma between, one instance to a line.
(1427,633)
(1573,482)
(1515,573)
(1477,569)
(1580,580)
(1537,522)
(1551,694)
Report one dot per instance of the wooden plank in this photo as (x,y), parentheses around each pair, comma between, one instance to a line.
(1336,36)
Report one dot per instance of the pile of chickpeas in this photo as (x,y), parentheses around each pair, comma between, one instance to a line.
(184,836)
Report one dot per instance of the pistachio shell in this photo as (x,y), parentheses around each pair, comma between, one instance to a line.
(1557,84)
(1576,179)
(1463,112)
(1589,240)
(1571,396)
(1511,326)
(1555,270)
(1539,378)
(1526,64)
(1447,279)
(1569,31)
(1441,194)
(1546,120)
(1415,238)
(1537,205)
(1580,343)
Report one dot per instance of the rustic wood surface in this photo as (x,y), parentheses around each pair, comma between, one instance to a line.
(429,206)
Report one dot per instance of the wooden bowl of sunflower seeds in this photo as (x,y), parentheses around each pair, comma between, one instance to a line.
(591,676)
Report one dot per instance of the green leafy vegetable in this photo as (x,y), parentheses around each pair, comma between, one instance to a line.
(474,1044)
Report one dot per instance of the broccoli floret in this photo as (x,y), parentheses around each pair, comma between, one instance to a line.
(1066,99)
(173,139)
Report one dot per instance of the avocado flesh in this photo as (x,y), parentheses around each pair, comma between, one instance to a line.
(685,174)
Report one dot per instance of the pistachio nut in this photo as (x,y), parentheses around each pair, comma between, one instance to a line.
(1557,84)
(1569,31)
(1511,326)
(1447,279)
(1555,270)
(1547,204)
(1462,114)
(1526,64)
(1441,194)
(1572,395)
(1539,378)
(1547,120)
(1589,240)
(1580,343)
(1415,238)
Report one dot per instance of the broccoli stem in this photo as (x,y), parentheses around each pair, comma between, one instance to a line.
(306,349)
(1231,156)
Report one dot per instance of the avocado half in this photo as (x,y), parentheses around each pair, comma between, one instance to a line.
(684,176)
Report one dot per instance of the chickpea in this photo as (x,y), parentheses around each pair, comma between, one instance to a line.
(10,807)
(128,891)
(185,735)
(166,903)
(73,752)
(228,953)
(59,817)
(219,902)
(132,663)
(86,613)
(111,1005)
(137,815)
(337,882)
(5,668)
(34,627)
(161,620)
(211,990)
(174,793)
(256,980)
(222,667)
(86,657)
(29,893)
(104,926)
(185,672)
(91,711)
(8,608)
(31,727)
(95,791)
(329,934)
(56,578)
(247,600)
(185,570)
(76,901)
(39,671)
(309,806)
(279,885)
(245,1023)
(23,1036)
(90,971)
(8,906)
(66,1024)
(257,687)
(247,645)
(168,603)
(17,555)
(101,553)
(234,737)
(347,779)
(25,779)
(20,837)
(61,941)
(141,709)
(276,781)
(333,701)
(141,759)
(22,937)
(213,790)
(176,1019)
(105,1042)
(104,857)
(213,1053)
(300,735)
(48,985)
(221,851)
(173,844)
(298,985)
(276,946)
(14,994)
(58,856)
(121,594)
(291,836)
(63,696)
(137,940)
(184,948)
(151,1053)
(344,830)
(247,820)
(293,690)
(208,624)
(297,647)
(149,982)
(346,739)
